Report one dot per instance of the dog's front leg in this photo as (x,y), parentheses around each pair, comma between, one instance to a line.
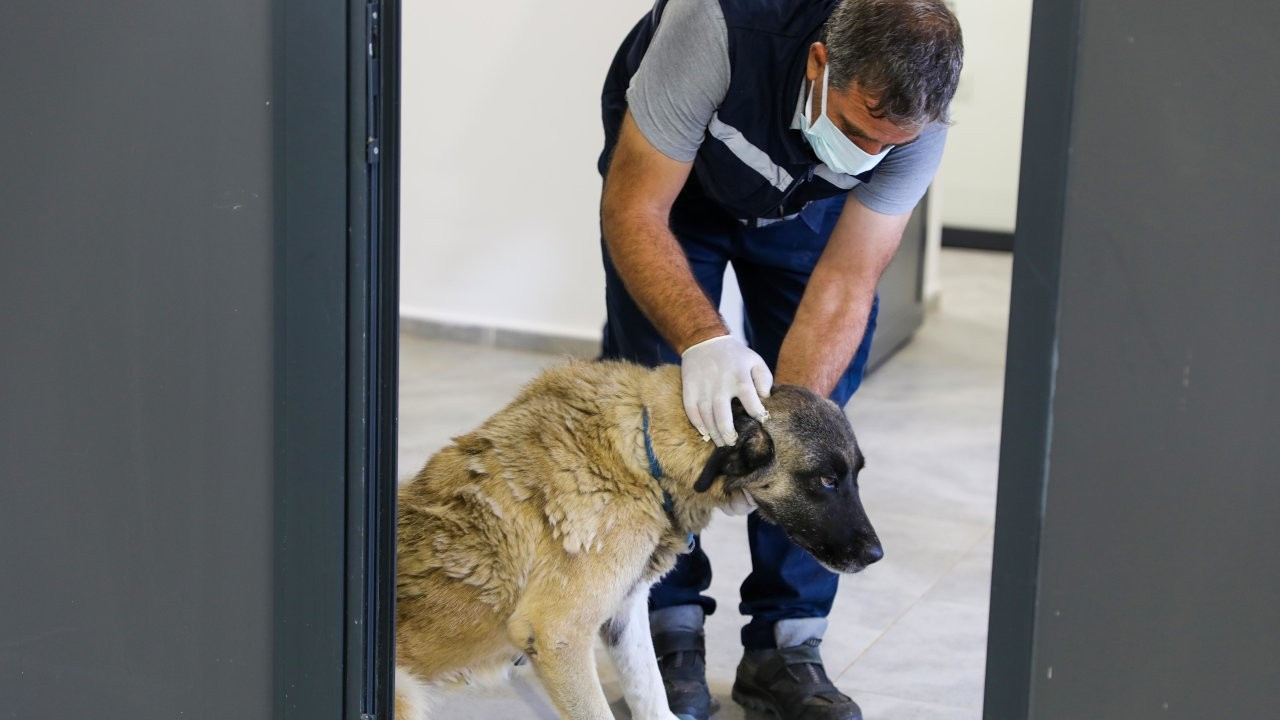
(564,658)
(626,635)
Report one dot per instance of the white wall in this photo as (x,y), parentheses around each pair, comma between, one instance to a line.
(500,133)
(501,129)
(978,181)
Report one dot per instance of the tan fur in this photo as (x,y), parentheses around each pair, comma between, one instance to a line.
(545,525)
(536,526)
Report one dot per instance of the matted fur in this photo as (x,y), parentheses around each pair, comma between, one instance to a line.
(530,533)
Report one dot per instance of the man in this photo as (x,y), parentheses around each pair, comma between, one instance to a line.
(791,138)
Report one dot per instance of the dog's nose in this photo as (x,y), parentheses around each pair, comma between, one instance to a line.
(871,553)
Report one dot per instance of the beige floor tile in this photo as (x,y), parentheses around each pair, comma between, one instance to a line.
(935,653)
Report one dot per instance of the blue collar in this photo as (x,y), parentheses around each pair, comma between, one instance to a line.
(655,469)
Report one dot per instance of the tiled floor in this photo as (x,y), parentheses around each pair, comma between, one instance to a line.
(908,637)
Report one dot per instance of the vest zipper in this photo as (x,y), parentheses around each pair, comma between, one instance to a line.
(808,175)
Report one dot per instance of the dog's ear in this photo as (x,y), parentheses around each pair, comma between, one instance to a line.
(753,451)
(713,468)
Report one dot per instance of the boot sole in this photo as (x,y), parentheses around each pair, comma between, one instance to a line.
(752,702)
(711,711)
(755,702)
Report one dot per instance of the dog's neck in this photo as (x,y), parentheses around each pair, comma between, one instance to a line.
(679,451)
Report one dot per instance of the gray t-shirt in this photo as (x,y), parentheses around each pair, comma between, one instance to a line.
(684,76)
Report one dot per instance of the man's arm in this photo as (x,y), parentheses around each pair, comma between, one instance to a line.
(635,210)
(639,189)
(832,316)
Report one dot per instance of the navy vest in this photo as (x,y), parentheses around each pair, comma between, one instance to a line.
(752,166)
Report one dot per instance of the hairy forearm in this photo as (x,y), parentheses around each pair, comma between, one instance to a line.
(635,208)
(832,317)
(826,332)
(657,275)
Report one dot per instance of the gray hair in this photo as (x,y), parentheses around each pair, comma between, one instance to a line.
(905,54)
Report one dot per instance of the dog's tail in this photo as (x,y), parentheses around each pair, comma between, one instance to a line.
(412,700)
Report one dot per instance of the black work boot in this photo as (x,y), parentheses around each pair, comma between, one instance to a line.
(680,646)
(789,682)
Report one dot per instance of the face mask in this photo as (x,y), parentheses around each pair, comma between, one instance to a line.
(832,146)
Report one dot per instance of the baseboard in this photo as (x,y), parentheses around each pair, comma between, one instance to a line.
(977,239)
(506,338)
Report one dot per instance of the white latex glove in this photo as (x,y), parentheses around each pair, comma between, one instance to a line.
(740,503)
(715,371)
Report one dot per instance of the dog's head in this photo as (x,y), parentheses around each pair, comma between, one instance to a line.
(801,467)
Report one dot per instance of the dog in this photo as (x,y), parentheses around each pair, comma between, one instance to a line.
(550,522)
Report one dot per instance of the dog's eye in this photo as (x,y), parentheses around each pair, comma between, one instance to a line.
(828,481)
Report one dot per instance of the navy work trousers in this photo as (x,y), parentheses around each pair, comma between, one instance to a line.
(773,264)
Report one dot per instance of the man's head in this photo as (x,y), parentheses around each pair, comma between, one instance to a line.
(894,65)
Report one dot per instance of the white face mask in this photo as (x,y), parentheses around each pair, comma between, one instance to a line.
(832,146)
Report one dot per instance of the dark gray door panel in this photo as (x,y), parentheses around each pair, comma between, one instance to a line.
(197,371)
(1135,573)
(136,249)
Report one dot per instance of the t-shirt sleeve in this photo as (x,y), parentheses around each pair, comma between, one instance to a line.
(682,79)
(904,175)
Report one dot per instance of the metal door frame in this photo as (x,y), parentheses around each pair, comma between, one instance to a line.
(1031,360)
(336,101)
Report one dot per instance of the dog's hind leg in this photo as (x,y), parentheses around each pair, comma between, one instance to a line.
(562,652)
(626,635)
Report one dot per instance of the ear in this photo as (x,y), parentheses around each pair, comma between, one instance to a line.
(753,451)
(816,61)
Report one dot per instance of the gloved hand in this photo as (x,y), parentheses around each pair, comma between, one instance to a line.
(715,371)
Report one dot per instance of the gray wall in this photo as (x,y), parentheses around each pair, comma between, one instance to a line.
(1140,478)
(136,491)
